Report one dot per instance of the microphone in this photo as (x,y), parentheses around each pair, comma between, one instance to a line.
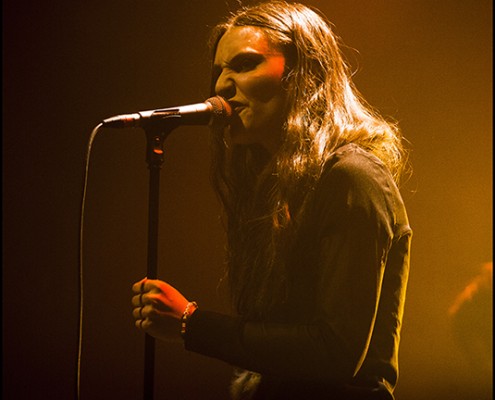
(212,111)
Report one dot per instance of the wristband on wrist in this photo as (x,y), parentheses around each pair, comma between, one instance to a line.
(185,316)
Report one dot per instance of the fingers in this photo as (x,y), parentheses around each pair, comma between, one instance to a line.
(140,286)
(146,316)
(139,300)
(154,303)
(142,324)
(140,314)
(139,318)
(148,298)
(149,285)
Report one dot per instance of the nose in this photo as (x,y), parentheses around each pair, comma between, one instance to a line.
(225,86)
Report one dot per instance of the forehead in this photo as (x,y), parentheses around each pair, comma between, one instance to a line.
(240,39)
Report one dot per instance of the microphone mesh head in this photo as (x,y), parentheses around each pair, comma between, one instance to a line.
(221,109)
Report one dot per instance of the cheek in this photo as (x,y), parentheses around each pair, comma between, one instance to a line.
(266,84)
(262,88)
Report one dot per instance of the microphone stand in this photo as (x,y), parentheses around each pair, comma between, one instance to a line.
(155,137)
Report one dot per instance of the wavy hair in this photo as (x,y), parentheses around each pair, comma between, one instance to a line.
(264,195)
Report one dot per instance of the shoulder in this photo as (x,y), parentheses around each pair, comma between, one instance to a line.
(355,184)
(356,192)
(353,169)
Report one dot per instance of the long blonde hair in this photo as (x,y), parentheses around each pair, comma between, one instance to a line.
(263,194)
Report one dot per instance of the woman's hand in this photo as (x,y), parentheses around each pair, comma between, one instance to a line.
(158,308)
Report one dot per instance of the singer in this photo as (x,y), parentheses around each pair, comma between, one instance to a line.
(318,236)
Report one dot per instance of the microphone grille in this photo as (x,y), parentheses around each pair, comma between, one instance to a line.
(221,109)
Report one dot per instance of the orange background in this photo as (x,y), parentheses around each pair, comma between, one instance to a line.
(68,65)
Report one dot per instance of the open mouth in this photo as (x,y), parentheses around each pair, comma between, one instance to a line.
(237,107)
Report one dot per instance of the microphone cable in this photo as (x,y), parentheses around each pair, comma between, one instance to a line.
(80,261)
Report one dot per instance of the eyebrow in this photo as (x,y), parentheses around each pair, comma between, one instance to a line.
(240,56)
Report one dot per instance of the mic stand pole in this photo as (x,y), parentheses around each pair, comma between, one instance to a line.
(154,157)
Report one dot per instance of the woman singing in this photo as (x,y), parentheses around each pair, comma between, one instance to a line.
(318,236)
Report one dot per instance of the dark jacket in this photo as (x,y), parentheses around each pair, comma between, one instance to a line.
(337,337)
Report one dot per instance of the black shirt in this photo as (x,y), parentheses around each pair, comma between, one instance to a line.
(348,270)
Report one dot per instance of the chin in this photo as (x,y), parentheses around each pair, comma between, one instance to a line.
(238,134)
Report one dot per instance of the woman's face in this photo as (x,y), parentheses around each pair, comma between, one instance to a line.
(250,71)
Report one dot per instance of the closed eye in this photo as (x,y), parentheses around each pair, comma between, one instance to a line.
(246,62)
(242,62)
